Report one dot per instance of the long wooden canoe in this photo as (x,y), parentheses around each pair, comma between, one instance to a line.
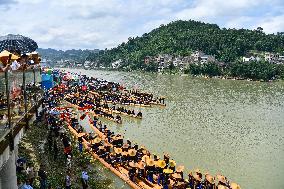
(121,172)
(78,108)
(123,113)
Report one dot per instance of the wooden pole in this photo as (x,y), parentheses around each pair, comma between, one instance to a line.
(25,98)
(35,93)
(11,139)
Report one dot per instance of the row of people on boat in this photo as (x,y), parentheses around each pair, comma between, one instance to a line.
(117,96)
(126,111)
(85,102)
(141,164)
(161,171)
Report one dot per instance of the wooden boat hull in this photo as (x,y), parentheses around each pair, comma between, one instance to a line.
(157,104)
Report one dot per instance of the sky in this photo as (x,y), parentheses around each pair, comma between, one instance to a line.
(90,24)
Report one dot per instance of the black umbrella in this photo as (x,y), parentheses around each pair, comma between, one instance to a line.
(17,43)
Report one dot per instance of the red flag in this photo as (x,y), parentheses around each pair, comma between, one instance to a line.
(85,107)
(83,116)
(84,88)
(81,108)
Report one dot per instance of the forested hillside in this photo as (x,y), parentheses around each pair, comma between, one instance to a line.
(183,37)
(74,55)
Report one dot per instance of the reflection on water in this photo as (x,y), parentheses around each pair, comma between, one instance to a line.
(232,127)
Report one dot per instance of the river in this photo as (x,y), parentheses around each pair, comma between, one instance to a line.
(222,126)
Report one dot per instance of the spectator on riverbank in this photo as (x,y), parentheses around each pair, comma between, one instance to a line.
(84,179)
(42,177)
(68,162)
(68,182)
(80,140)
(21,164)
(26,185)
(30,173)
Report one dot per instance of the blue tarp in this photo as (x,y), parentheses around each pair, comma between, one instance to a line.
(46,85)
(46,77)
(47,81)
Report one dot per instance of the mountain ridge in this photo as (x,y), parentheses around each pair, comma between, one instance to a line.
(183,37)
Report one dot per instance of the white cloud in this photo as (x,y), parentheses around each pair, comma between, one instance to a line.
(239,22)
(67,24)
(211,9)
(154,24)
(272,24)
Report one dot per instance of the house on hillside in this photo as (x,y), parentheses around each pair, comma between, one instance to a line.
(251,58)
(196,55)
(281,58)
(168,58)
(187,60)
(207,58)
(177,61)
(159,59)
(271,57)
(147,59)
(87,64)
(116,64)
(199,56)
(78,64)
(274,58)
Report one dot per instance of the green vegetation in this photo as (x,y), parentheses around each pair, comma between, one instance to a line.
(34,148)
(74,55)
(183,37)
(254,70)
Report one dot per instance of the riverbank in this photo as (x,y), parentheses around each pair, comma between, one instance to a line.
(34,148)
(182,73)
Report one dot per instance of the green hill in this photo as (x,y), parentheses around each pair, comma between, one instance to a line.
(74,55)
(183,37)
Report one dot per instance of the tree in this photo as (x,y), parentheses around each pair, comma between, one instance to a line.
(259,29)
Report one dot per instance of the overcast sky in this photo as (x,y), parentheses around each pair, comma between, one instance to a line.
(74,24)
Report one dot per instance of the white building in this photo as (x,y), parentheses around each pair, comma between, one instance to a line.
(196,55)
(271,57)
(199,56)
(251,58)
(116,64)
(281,58)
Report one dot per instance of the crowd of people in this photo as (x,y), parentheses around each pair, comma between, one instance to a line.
(111,92)
(21,62)
(143,165)
(17,101)
(117,152)
(56,134)
(140,164)
(24,61)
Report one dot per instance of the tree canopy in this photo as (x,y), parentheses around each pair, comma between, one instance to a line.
(183,37)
